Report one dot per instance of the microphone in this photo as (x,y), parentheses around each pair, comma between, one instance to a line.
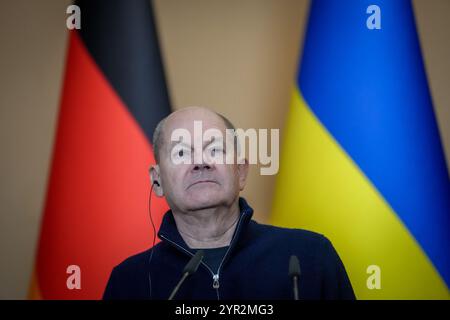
(189,269)
(294,273)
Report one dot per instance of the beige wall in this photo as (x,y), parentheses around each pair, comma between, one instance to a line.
(237,56)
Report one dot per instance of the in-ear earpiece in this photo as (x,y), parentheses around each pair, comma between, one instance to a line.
(157,183)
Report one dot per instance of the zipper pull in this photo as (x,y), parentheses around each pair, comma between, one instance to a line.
(216,281)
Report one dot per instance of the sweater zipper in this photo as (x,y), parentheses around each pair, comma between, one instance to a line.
(216,283)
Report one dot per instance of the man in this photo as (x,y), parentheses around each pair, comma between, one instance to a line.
(242,258)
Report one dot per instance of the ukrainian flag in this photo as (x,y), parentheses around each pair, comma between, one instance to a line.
(361,157)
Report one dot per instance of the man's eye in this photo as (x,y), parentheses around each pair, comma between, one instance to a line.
(180,153)
(215,151)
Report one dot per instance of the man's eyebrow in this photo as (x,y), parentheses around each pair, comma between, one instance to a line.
(205,144)
(177,142)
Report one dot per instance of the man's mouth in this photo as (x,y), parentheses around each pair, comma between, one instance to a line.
(201,182)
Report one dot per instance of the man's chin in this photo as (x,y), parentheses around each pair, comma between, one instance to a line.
(202,202)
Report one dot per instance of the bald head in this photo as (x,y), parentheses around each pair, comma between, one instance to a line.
(198,113)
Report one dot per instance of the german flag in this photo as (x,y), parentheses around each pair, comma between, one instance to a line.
(96,208)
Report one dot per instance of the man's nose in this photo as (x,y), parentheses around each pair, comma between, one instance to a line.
(202,166)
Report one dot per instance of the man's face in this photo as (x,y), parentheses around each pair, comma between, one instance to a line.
(197,186)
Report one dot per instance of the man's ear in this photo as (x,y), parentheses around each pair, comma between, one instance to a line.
(155,180)
(242,172)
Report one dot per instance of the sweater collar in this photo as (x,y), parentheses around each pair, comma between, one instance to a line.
(168,230)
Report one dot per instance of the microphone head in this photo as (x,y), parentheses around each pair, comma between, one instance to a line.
(193,264)
(294,267)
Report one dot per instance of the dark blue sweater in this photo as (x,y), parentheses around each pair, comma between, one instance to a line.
(254,267)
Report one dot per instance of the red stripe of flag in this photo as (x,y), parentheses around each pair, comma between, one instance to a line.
(96,209)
